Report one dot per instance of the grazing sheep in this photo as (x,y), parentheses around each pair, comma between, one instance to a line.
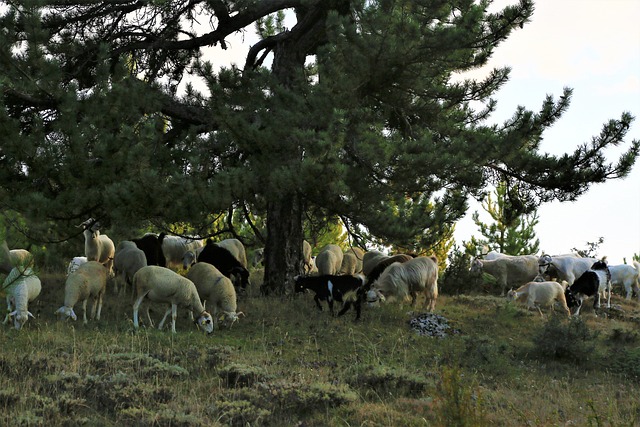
(226,262)
(402,280)
(191,257)
(175,247)
(306,257)
(159,284)
(236,248)
(627,276)
(88,281)
(76,262)
(509,271)
(22,287)
(536,294)
(216,290)
(152,248)
(329,260)
(349,264)
(383,263)
(127,261)
(21,258)
(98,247)
(370,260)
(330,288)
(591,283)
(564,267)
(257,258)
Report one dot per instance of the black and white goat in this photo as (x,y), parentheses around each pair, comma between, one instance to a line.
(330,288)
(592,283)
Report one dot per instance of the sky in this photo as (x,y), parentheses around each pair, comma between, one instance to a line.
(592,46)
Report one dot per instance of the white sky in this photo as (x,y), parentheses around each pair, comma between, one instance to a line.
(592,46)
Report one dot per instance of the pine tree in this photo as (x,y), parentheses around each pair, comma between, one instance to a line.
(351,109)
(509,233)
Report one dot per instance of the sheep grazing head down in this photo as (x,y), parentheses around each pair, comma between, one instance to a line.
(205,322)
(64,312)
(19,319)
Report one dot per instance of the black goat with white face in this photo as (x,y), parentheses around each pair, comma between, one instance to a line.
(590,284)
(331,288)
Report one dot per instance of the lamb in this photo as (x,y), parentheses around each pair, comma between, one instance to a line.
(152,248)
(76,262)
(564,267)
(591,283)
(226,262)
(174,248)
(98,247)
(20,258)
(216,290)
(329,260)
(627,276)
(127,261)
(536,294)
(509,271)
(22,287)
(402,280)
(330,288)
(160,284)
(88,281)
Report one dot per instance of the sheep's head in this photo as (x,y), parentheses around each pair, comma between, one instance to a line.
(373,297)
(205,322)
(512,295)
(64,312)
(188,259)
(19,319)
(476,266)
(229,318)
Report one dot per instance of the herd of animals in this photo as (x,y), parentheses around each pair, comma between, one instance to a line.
(217,271)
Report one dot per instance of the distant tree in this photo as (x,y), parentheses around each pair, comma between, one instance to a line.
(590,250)
(352,108)
(511,232)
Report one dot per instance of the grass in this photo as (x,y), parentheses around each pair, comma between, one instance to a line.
(286,363)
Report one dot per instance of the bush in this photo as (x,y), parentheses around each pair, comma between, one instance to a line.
(565,340)
(457,279)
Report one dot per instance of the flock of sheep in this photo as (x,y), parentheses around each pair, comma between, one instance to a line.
(215,271)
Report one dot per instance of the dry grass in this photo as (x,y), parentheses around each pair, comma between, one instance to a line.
(285,363)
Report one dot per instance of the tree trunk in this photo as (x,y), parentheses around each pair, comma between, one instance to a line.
(283,251)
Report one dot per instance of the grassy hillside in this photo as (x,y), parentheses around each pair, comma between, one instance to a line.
(285,363)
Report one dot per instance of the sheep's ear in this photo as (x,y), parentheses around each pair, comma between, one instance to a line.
(30,315)
(73,315)
(13,313)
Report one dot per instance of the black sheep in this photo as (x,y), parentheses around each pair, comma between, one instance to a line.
(151,245)
(226,263)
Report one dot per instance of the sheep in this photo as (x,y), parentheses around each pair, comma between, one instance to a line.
(330,288)
(402,280)
(536,294)
(160,284)
(190,257)
(226,262)
(76,262)
(627,276)
(564,267)
(216,290)
(22,287)
(370,260)
(257,258)
(127,261)
(88,281)
(592,282)
(236,248)
(152,248)
(174,248)
(509,271)
(385,262)
(349,264)
(20,258)
(98,247)
(329,260)
(308,265)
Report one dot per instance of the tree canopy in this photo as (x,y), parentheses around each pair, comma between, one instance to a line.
(354,110)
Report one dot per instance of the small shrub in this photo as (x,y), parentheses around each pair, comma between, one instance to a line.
(625,361)
(164,417)
(9,397)
(237,375)
(384,380)
(458,400)
(566,341)
(239,413)
(298,397)
(218,354)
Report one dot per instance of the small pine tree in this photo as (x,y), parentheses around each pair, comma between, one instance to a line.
(512,231)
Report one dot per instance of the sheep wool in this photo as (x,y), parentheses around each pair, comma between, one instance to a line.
(88,281)
(217,290)
(127,261)
(22,287)
(329,260)
(402,280)
(160,284)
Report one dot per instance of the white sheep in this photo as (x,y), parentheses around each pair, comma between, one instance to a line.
(404,280)
(20,258)
(509,271)
(216,290)
(309,262)
(22,287)
(349,263)
(191,257)
(537,294)
(175,247)
(627,276)
(160,284)
(88,281)
(98,247)
(76,262)
(127,261)
(236,248)
(329,260)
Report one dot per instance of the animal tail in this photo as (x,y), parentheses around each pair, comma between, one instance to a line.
(636,264)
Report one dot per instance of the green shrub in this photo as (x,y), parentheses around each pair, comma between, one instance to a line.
(238,375)
(565,340)
(384,380)
(239,413)
(458,402)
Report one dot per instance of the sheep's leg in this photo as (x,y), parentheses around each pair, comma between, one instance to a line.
(174,314)
(136,307)
(166,314)
(100,296)
(84,310)
(94,307)
(608,294)
(596,301)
